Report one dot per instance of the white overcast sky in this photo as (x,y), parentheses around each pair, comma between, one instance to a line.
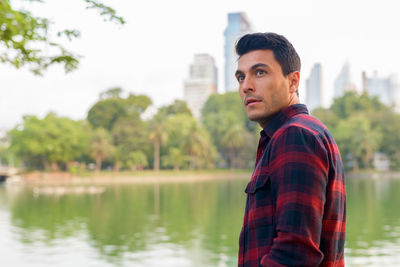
(151,53)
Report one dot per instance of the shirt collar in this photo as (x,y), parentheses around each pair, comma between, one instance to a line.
(281,117)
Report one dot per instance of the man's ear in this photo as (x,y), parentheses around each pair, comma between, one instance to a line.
(294,81)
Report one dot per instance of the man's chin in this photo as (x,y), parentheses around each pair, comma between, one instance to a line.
(254,118)
(261,119)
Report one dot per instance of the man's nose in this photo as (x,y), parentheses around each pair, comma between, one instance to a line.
(247,85)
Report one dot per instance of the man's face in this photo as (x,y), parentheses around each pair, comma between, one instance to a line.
(263,87)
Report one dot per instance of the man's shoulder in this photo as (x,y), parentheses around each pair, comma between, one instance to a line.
(302,124)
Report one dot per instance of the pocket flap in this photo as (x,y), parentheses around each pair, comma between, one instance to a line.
(256,183)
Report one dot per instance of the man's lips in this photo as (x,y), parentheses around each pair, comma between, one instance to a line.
(251,100)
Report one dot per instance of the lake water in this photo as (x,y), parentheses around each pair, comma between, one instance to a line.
(182,224)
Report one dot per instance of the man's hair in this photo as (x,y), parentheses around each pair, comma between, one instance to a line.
(283,50)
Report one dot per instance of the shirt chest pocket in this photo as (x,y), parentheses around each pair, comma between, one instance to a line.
(260,204)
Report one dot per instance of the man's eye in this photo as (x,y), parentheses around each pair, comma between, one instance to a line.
(260,72)
(240,78)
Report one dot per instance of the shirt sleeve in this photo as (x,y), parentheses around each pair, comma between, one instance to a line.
(299,176)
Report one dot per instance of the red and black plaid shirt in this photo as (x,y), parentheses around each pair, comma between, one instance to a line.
(296,200)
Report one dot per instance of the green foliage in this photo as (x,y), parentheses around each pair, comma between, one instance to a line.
(158,136)
(232,133)
(357,138)
(137,160)
(166,126)
(108,110)
(191,140)
(111,93)
(101,146)
(26,39)
(50,142)
(350,103)
(177,107)
(175,158)
(362,125)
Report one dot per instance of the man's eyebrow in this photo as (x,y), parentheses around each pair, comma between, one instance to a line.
(255,66)
(238,72)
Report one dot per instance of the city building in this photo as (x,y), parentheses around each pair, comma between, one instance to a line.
(201,83)
(343,82)
(387,89)
(314,92)
(395,92)
(238,25)
(378,86)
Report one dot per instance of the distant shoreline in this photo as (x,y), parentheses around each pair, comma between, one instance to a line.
(164,176)
(103,178)
(373,175)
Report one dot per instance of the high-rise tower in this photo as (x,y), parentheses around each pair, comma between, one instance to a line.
(238,25)
(387,89)
(314,88)
(343,82)
(202,82)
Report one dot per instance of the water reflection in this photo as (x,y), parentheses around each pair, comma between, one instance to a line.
(196,222)
(373,222)
(190,224)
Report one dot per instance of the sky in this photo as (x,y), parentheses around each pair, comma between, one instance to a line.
(152,52)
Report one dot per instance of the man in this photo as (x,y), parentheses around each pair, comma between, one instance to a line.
(295,211)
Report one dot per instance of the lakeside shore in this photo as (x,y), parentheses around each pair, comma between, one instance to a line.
(373,174)
(147,176)
(162,176)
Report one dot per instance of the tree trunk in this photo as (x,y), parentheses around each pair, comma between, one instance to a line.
(192,163)
(46,165)
(157,155)
(54,166)
(231,158)
(116,167)
(98,163)
(176,167)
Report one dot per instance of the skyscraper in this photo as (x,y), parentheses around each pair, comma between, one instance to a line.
(395,91)
(387,89)
(314,88)
(202,82)
(343,82)
(238,25)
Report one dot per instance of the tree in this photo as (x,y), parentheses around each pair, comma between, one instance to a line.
(350,103)
(177,107)
(50,142)
(111,93)
(362,125)
(158,125)
(233,140)
(101,146)
(129,135)
(223,112)
(26,39)
(175,158)
(137,160)
(388,123)
(111,107)
(356,138)
(158,136)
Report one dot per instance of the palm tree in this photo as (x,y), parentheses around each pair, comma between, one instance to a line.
(137,160)
(159,136)
(198,146)
(101,146)
(233,140)
(175,158)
